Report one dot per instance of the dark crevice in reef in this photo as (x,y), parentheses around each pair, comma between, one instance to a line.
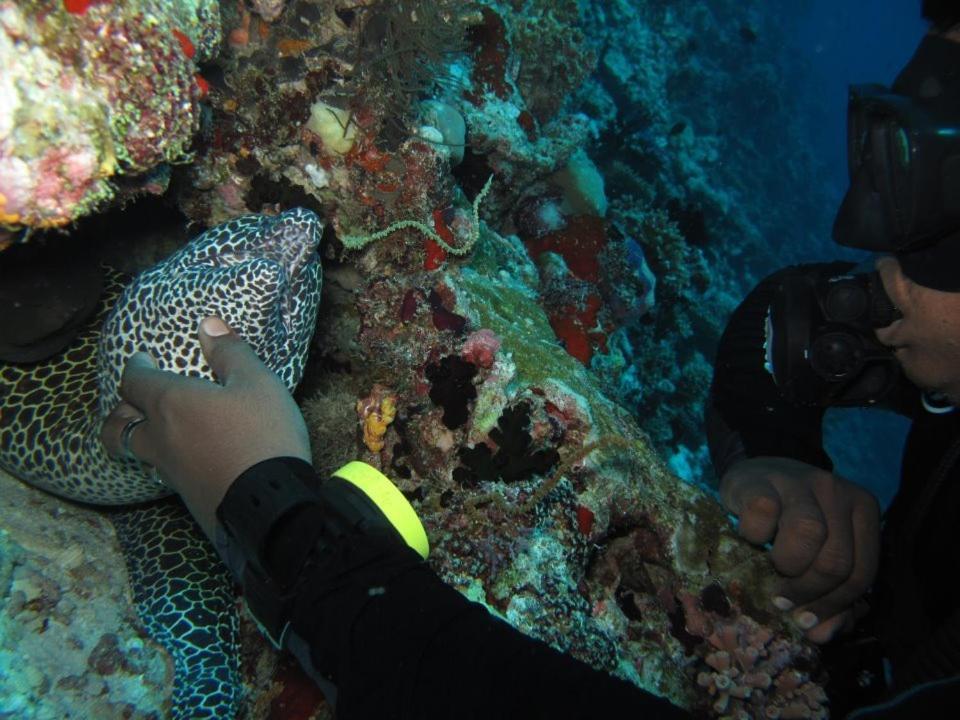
(513,459)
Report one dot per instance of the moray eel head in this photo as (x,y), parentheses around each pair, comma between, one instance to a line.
(261,274)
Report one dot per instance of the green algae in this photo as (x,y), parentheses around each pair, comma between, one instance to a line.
(505,301)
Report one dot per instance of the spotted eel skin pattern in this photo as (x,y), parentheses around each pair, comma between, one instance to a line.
(262,275)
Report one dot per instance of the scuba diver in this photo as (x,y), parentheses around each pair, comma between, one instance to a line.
(817,336)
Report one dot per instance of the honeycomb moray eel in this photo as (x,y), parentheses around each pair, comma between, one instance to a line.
(262,275)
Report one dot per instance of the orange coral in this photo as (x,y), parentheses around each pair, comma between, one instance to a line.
(376,412)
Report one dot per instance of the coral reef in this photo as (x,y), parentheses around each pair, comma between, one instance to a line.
(92,92)
(696,120)
(541,497)
(531,246)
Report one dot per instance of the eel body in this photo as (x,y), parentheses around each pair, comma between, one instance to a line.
(262,275)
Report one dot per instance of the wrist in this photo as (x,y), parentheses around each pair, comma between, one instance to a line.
(204,494)
(266,528)
(279,524)
(262,497)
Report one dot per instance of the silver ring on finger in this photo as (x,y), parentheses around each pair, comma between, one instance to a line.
(155,475)
(125,436)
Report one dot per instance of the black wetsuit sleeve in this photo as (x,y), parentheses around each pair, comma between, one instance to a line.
(938,657)
(928,686)
(397,642)
(746,415)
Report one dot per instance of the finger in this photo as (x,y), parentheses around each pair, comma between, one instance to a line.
(113,425)
(825,631)
(231,358)
(800,536)
(111,434)
(893,281)
(139,375)
(149,389)
(756,503)
(835,560)
(866,561)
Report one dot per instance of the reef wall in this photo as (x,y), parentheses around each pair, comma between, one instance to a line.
(537,228)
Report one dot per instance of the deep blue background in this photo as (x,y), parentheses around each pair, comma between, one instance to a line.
(851,41)
(844,42)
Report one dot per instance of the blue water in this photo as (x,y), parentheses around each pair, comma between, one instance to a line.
(848,42)
(790,192)
(842,43)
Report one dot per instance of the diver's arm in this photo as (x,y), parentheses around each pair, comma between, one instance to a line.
(367,616)
(823,531)
(326,576)
(936,658)
(746,415)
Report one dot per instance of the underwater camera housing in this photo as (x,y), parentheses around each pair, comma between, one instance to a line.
(820,345)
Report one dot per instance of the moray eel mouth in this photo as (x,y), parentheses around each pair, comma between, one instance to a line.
(283,254)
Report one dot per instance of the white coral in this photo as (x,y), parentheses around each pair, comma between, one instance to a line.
(269,10)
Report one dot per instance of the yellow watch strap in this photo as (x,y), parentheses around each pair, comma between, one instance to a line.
(389,500)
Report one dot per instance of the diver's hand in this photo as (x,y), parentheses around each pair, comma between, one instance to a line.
(202,435)
(825,535)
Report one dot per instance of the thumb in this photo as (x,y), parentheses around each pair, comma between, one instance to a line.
(757,505)
(825,631)
(229,356)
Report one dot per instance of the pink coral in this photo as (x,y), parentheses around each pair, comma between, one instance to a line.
(269,10)
(481,348)
(15,187)
(231,192)
(752,673)
(63,177)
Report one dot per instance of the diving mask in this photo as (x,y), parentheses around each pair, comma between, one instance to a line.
(903,152)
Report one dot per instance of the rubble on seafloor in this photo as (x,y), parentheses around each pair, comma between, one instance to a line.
(459,342)
(70,641)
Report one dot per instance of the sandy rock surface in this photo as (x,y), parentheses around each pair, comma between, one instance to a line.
(70,642)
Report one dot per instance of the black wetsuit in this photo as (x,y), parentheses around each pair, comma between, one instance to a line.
(914,623)
(370,620)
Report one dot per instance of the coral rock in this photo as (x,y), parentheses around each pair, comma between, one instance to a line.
(376,412)
(89,95)
(70,641)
